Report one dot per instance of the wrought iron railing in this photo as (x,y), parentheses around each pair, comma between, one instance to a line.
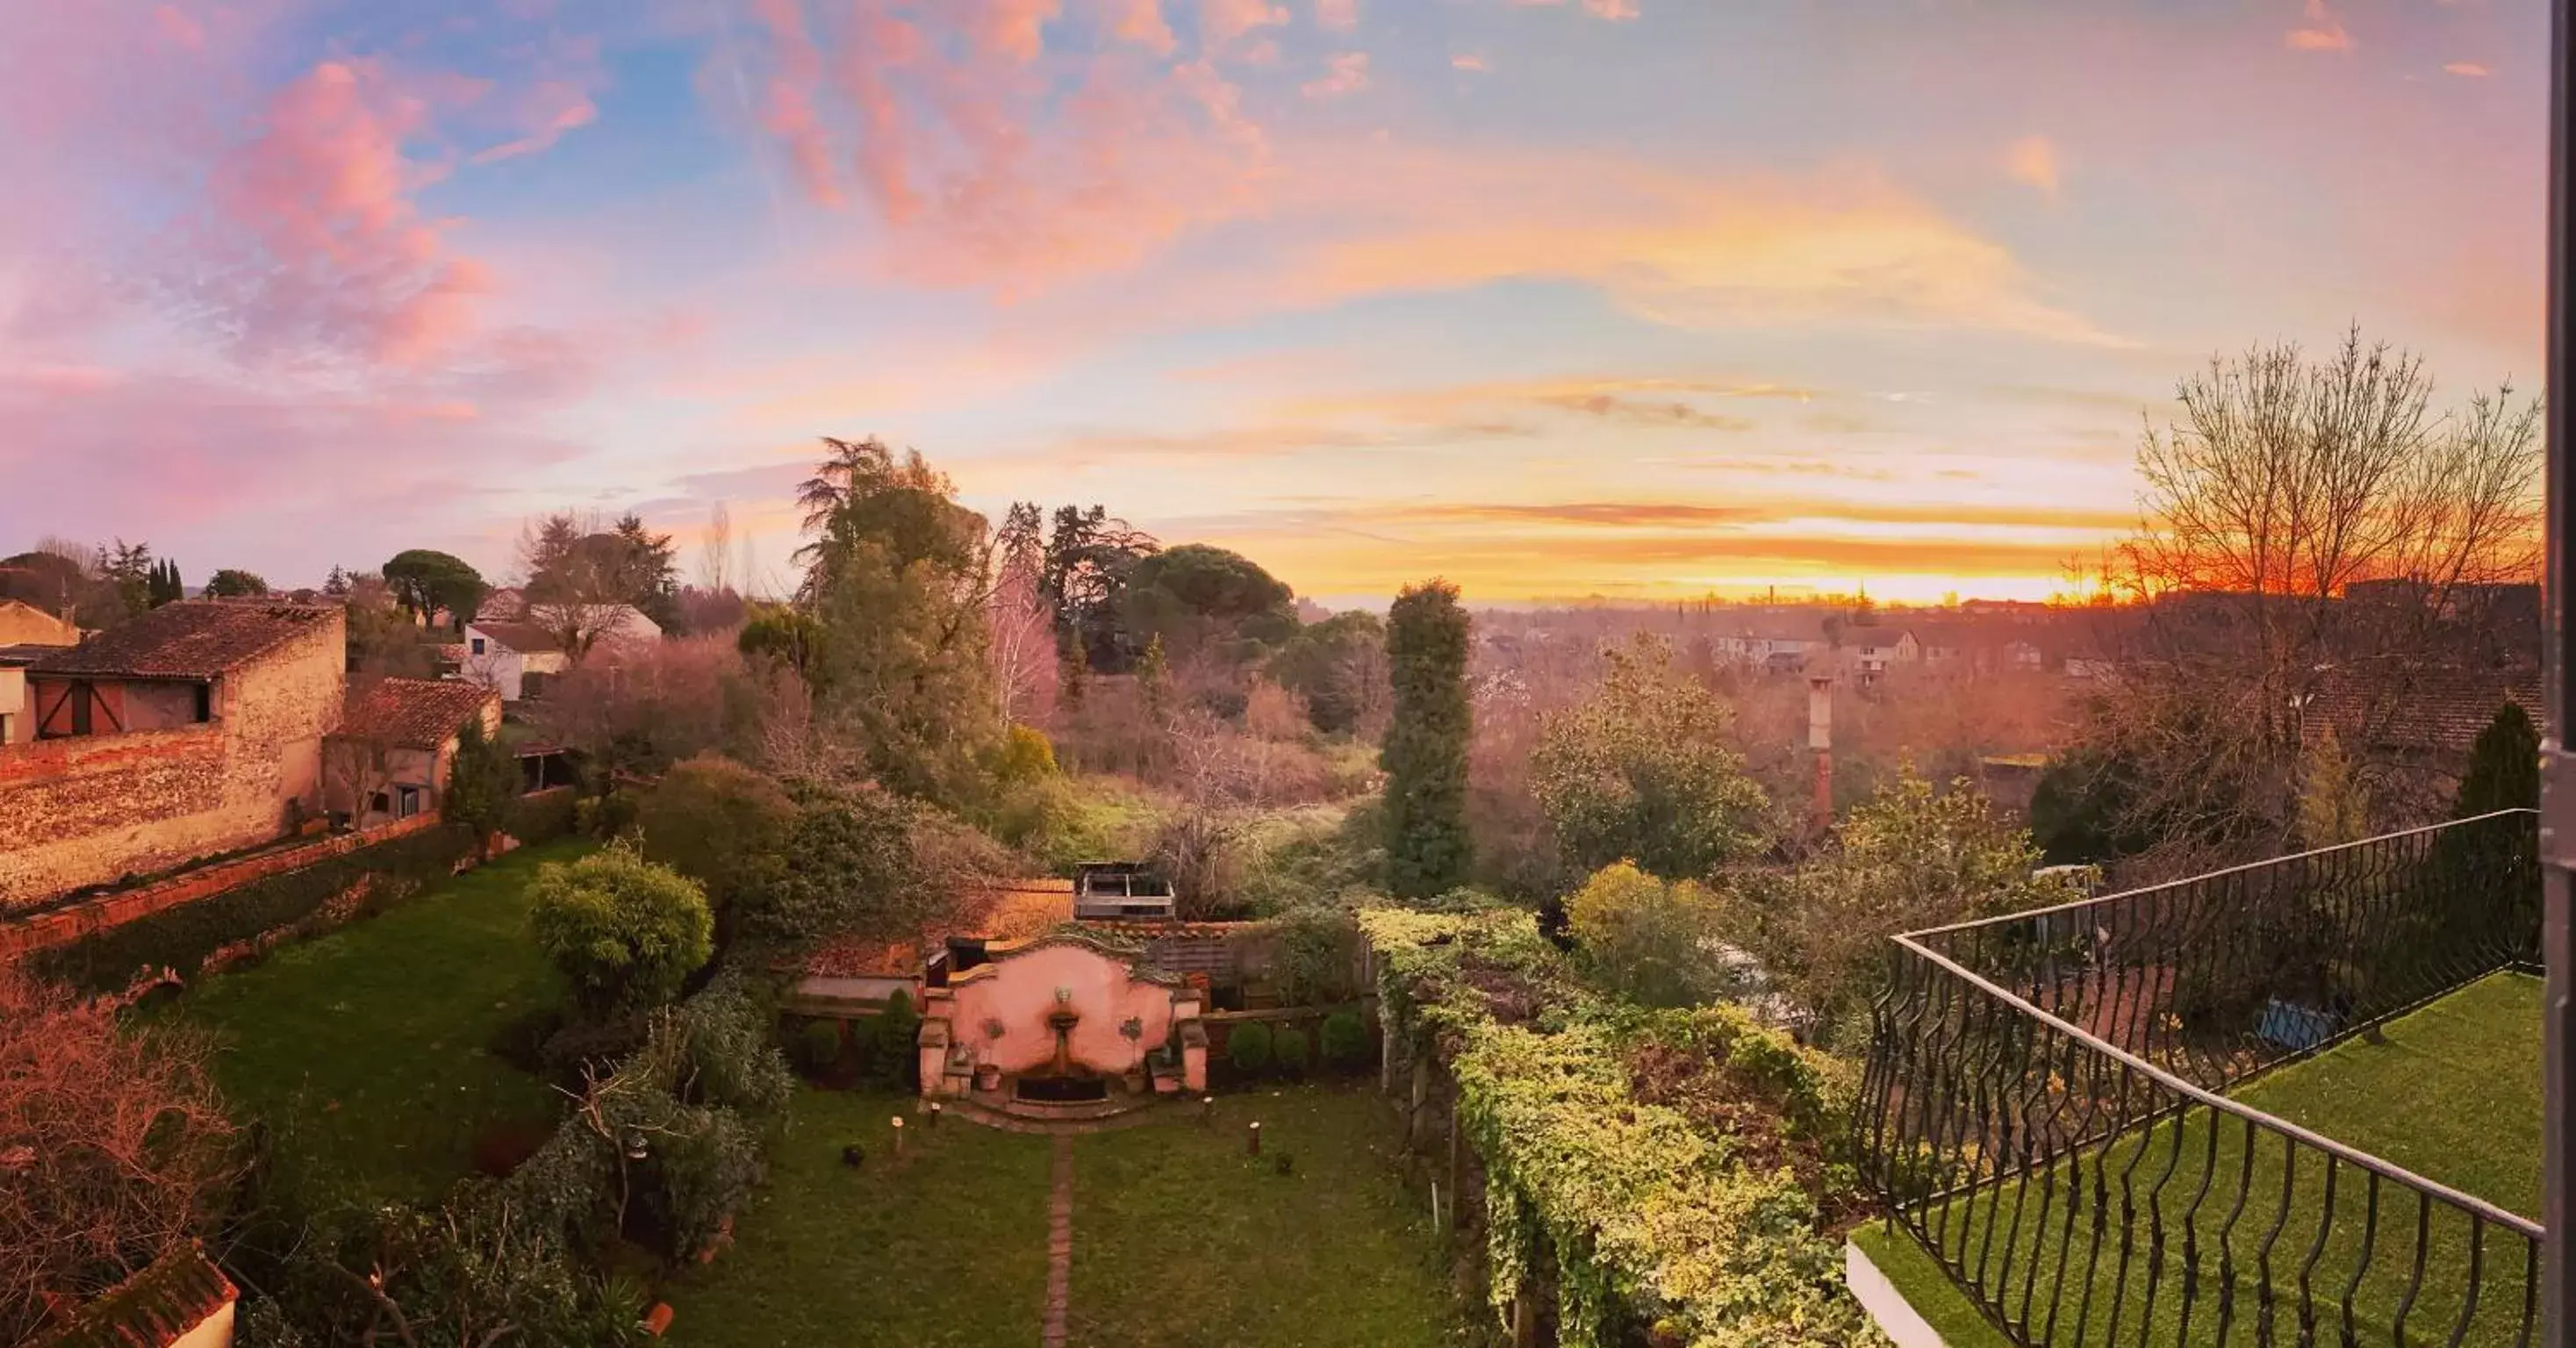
(2042,1106)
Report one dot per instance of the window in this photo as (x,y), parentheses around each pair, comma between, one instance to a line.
(476,645)
(205,708)
(406,801)
(4,727)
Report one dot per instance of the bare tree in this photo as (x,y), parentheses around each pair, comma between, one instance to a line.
(114,1148)
(715,550)
(2311,530)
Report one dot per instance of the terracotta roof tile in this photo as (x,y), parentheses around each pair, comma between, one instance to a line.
(525,638)
(850,958)
(189,639)
(413,713)
(152,1309)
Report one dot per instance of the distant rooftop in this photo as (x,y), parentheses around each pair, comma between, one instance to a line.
(189,639)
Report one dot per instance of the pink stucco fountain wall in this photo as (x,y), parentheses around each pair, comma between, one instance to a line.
(1019,992)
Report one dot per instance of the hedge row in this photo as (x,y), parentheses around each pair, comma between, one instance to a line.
(545,816)
(181,937)
(705,1088)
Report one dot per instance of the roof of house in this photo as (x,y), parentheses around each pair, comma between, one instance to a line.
(188,639)
(152,1309)
(850,957)
(525,638)
(2444,713)
(413,713)
(502,605)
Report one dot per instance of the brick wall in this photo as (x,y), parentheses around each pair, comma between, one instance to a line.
(92,810)
(65,925)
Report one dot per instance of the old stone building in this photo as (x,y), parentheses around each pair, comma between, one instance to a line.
(396,745)
(191,730)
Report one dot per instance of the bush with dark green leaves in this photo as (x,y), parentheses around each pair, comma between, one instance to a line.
(1425,754)
(822,1041)
(898,1029)
(1248,1047)
(718,823)
(1288,1049)
(1342,1042)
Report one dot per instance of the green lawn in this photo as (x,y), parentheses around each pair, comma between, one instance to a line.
(1180,1239)
(2453,1093)
(373,1042)
(1926,1288)
(944,1247)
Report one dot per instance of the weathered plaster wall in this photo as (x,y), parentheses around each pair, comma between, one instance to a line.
(1019,991)
(25,624)
(90,810)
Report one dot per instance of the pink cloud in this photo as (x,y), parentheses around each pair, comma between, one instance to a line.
(1340,15)
(558,107)
(1141,22)
(1347,73)
(789,111)
(1223,21)
(995,168)
(2469,69)
(1615,10)
(1468,61)
(2324,31)
(179,27)
(315,241)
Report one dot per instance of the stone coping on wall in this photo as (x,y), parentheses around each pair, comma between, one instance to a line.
(62,926)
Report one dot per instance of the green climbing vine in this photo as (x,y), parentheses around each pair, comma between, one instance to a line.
(1652,1216)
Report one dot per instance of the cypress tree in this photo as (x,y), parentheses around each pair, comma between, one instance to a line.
(1425,756)
(2504,766)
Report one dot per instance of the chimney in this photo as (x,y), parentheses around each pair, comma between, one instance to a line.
(1820,737)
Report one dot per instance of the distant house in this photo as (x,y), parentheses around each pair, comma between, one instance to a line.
(396,745)
(1779,642)
(1873,649)
(23,624)
(512,658)
(504,605)
(26,632)
(190,730)
(2024,655)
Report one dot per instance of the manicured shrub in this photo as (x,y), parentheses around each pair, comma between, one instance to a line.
(898,1029)
(1288,1049)
(1343,1041)
(822,1043)
(1248,1047)
(592,1042)
(544,816)
(624,931)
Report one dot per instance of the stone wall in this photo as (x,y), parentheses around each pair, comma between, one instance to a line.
(69,923)
(92,810)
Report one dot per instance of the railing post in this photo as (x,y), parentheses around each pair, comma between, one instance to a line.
(2558,773)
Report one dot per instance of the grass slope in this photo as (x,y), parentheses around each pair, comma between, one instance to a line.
(946,1247)
(373,1039)
(1180,1239)
(2453,1094)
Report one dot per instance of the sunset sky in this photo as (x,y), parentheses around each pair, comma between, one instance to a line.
(1632,298)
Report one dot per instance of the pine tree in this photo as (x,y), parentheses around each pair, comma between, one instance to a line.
(1425,755)
(2504,766)
(337,586)
(482,785)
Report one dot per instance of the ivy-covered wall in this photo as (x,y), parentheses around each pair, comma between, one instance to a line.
(1664,1177)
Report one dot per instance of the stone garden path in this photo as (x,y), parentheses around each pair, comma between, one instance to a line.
(1059,1241)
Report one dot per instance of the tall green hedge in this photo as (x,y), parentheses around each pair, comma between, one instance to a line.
(181,937)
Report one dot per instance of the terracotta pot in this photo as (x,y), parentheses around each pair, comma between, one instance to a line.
(988,1077)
